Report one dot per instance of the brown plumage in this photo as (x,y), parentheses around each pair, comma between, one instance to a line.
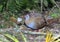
(34,21)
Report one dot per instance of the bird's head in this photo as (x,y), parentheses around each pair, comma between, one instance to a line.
(27,17)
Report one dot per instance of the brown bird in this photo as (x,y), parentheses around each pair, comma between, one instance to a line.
(34,21)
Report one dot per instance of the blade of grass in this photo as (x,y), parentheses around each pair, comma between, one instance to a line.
(12,37)
(24,38)
(49,37)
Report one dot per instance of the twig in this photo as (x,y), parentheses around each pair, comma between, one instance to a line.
(41,5)
(19,30)
(54,7)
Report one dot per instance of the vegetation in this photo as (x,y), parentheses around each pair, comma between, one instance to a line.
(10,10)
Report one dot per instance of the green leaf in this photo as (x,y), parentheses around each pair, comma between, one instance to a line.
(36,1)
(45,3)
(54,15)
(1,7)
(12,37)
(24,38)
(52,1)
(3,38)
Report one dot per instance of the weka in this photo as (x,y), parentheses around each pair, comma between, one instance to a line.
(34,21)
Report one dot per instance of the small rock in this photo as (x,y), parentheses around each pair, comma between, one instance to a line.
(19,19)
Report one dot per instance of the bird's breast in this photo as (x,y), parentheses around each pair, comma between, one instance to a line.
(32,25)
